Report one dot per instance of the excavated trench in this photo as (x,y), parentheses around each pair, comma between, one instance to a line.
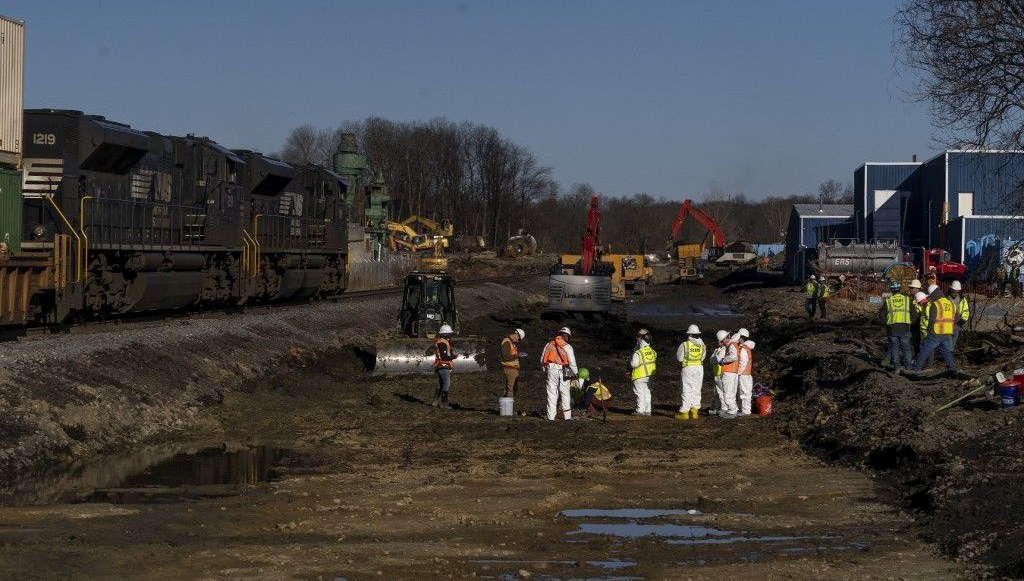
(350,476)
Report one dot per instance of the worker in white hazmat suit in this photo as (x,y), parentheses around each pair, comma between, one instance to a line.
(559,362)
(642,366)
(716,371)
(730,363)
(690,355)
(745,370)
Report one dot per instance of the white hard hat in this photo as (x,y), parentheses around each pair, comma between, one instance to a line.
(931,288)
(955,285)
(445,329)
(920,296)
(915,283)
(643,333)
(743,332)
(721,335)
(814,277)
(521,333)
(692,330)
(565,330)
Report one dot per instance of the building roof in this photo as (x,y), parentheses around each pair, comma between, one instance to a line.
(823,210)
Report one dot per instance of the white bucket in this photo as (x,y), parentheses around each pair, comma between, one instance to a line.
(505,407)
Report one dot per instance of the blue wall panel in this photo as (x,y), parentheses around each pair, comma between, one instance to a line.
(994,178)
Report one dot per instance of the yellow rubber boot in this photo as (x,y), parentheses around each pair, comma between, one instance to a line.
(683,416)
(694,413)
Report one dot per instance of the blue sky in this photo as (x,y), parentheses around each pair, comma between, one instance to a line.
(671,98)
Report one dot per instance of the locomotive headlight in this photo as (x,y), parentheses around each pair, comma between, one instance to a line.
(39,230)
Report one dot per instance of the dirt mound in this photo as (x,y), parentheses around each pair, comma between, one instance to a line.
(957,470)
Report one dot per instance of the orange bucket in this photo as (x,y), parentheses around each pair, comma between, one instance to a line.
(764,405)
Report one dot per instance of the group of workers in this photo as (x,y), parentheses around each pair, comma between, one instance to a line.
(569,386)
(923,322)
(817,292)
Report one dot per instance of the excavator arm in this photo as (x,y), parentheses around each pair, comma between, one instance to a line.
(592,237)
(709,223)
(443,228)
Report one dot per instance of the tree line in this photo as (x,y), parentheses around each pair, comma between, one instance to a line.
(491,187)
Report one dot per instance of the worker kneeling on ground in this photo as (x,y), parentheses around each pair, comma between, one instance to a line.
(443,357)
(642,366)
(941,319)
(559,363)
(596,397)
(690,355)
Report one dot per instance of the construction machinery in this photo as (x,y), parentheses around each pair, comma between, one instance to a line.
(586,284)
(428,301)
(630,273)
(520,244)
(692,257)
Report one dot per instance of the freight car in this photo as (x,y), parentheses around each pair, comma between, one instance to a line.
(116,220)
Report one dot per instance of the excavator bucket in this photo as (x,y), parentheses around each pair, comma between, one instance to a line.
(404,356)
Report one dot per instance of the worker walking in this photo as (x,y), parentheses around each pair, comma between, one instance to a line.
(730,363)
(920,316)
(690,355)
(963,309)
(745,371)
(559,363)
(716,371)
(896,312)
(642,366)
(823,293)
(941,320)
(510,360)
(811,292)
(443,358)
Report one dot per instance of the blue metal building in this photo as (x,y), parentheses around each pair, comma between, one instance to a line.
(802,234)
(883,200)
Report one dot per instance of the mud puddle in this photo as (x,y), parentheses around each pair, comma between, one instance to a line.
(676,313)
(156,474)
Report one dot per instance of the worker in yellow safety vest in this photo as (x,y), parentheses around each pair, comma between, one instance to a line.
(811,291)
(642,366)
(941,320)
(963,309)
(690,355)
(896,311)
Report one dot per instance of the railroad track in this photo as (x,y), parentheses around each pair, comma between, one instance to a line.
(133,321)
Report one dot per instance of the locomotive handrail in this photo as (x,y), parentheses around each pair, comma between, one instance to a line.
(81,228)
(253,269)
(78,239)
(256,241)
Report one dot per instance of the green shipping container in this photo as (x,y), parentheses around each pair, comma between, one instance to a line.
(10,208)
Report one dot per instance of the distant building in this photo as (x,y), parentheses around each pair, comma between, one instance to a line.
(806,224)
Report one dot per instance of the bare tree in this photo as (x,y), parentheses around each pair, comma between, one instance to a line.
(970,55)
(830,191)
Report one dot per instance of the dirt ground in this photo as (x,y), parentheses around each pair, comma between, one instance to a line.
(373,483)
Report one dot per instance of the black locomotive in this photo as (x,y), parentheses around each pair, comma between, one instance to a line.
(116,220)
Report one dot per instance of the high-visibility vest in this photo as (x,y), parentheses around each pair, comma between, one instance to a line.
(554,354)
(922,313)
(812,289)
(964,309)
(514,362)
(647,366)
(694,354)
(734,366)
(897,310)
(945,316)
(601,392)
(438,362)
(823,290)
(749,370)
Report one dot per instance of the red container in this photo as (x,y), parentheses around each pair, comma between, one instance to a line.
(1018,376)
(764,405)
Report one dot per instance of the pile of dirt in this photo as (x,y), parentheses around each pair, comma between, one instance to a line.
(957,471)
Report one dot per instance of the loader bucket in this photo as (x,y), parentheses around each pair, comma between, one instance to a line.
(404,356)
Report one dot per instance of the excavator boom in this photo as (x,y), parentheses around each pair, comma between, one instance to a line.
(709,223)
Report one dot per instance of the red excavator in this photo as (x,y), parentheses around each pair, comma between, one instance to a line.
(582,283)
(692,257)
